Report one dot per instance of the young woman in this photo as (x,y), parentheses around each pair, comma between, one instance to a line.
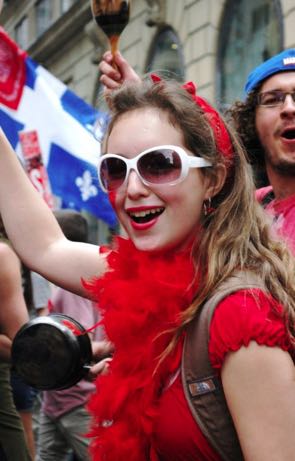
(183,192)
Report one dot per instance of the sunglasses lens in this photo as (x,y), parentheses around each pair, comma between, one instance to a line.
(112,173)
(160,166)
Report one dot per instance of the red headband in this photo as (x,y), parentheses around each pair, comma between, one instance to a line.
(222,139)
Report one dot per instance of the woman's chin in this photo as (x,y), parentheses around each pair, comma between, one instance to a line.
(153,245)
(149,244)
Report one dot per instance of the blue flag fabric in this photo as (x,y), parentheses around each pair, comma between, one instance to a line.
(64,124)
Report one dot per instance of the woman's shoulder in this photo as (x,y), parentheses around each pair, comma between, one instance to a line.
(244,316)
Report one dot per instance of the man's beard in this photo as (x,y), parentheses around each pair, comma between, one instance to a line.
(284,168)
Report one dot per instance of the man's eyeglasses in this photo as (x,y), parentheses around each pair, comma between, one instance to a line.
(273,98)
(156,166)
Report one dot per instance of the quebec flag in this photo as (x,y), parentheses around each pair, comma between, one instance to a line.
(33,100)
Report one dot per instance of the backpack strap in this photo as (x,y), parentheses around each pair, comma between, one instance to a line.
(202,386)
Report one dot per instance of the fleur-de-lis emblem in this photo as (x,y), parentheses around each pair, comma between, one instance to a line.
(87,188)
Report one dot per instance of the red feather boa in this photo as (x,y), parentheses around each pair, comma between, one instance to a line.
(141,297)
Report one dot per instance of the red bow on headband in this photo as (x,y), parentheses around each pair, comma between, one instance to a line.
(222,139)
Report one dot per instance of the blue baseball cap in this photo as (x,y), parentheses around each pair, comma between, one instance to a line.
(281,62)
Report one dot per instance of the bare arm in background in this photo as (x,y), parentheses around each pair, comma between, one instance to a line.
(13,310)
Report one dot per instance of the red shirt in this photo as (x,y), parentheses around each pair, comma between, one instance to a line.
(283,213)
(238,319)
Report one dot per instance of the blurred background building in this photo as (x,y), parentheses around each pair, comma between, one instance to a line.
(212,42)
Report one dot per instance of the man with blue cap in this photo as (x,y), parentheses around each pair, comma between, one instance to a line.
(266,124)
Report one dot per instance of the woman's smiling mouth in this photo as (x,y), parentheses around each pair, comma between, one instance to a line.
(141,216)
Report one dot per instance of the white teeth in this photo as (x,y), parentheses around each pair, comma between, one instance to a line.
(142,214)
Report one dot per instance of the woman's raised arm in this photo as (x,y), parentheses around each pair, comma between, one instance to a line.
(35,233)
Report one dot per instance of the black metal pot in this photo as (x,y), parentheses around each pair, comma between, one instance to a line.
(51,352)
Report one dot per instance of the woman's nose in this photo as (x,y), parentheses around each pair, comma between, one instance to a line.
(135,186)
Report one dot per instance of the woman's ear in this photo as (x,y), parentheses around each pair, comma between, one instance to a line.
(216,182)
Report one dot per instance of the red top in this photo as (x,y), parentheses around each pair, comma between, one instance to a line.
(237,320)
(283,213)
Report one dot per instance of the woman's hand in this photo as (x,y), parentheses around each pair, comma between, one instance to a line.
(102,352)
(100,368)
(102,349)
(115,70)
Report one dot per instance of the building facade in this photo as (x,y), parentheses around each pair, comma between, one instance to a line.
(215,43)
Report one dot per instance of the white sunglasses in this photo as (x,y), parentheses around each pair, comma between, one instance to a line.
(161,165)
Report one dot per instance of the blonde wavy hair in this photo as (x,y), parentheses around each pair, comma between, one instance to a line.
(237,234)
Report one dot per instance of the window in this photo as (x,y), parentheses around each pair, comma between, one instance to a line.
(43,16)
(166,56)
(251,32)
(22,33)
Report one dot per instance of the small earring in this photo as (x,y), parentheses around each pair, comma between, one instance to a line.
(207,207)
